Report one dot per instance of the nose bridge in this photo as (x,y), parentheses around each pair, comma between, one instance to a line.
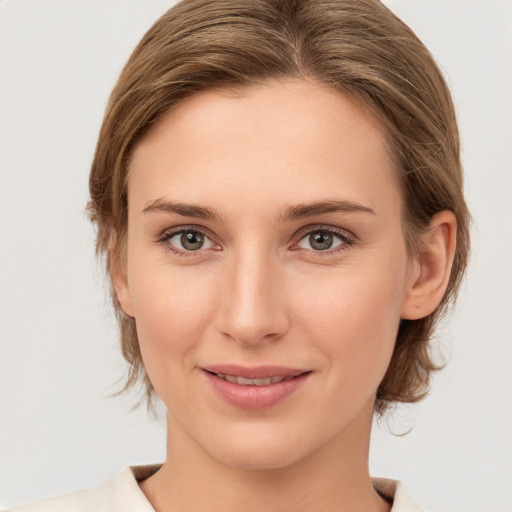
(253,309)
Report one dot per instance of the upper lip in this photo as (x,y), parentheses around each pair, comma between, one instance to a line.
(256,372)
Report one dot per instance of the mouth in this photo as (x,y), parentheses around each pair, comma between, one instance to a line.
(254,376)
(255,388)
(244,381)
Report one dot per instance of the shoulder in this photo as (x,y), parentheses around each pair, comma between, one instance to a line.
(396,493)
(80,501)
(119,494)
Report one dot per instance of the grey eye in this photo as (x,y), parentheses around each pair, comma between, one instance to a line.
(321,241)
(190,240)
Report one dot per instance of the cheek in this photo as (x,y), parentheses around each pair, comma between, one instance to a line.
(354,317)
(172,309)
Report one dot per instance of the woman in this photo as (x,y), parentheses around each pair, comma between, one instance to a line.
(278,192)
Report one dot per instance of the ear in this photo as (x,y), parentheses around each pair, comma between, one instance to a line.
(118,274)
(431,268)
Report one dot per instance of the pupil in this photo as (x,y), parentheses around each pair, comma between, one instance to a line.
(321,240)
(191,241)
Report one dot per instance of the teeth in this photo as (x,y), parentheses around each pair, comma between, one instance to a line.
(262,382)
(242,381)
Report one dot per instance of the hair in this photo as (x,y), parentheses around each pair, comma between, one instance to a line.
(357,47)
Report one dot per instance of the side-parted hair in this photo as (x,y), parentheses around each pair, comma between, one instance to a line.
(358,47)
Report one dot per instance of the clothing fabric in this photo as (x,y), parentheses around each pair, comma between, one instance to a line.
(123,494)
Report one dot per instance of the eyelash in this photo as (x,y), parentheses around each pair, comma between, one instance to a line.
(167,235)
(347,240)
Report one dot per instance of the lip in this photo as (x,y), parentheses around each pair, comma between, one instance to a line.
(255,397)
(256,372)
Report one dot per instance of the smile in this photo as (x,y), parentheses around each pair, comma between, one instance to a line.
(255,388)
(243,381)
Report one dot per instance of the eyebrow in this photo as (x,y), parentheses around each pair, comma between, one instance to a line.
(301,211)
(290,213)
(184,209)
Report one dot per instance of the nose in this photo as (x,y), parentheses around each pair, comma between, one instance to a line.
(253,308)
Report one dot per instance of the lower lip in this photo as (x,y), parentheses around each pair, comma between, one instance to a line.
(255,397)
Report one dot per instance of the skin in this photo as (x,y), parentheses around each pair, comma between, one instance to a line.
(258,292)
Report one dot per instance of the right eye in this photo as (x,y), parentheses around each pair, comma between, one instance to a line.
(186,241)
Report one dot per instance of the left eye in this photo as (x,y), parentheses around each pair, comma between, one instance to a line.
(321,240)
(190,240)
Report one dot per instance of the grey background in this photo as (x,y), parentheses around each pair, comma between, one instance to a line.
(59,356)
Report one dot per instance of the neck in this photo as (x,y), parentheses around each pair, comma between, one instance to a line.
(333,477)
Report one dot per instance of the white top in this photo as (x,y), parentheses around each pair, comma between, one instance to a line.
(123,494)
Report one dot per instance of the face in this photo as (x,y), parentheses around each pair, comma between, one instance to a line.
(266,269)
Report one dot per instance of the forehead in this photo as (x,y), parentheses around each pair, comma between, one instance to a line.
(290,141)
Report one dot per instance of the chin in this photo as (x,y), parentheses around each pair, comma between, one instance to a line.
(258,458)
(258,448)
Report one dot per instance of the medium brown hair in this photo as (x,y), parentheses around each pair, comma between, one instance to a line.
(358,47)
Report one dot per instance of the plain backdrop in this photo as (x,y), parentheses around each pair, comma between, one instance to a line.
(59,356)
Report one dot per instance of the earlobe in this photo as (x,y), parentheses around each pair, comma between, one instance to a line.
(118,275)
(430,272)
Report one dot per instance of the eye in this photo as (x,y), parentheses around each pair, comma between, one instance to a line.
(324,240)
(187,240)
